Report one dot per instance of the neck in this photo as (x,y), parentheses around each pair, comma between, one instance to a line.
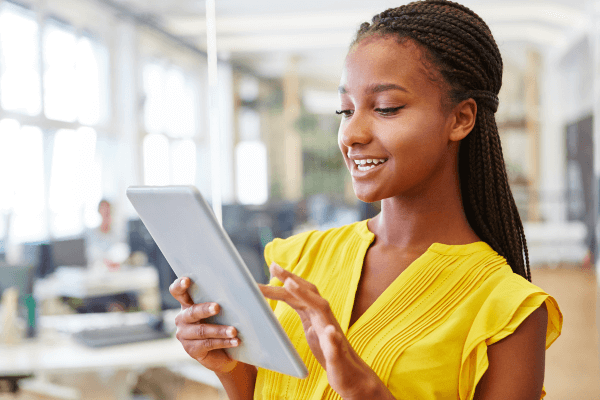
(433,214)
(105,227)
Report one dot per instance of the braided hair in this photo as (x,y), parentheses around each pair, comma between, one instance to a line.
(460,45)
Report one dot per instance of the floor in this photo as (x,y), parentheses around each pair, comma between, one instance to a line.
(572,363)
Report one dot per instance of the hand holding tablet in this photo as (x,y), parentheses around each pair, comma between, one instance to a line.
(203,342)
(197,248)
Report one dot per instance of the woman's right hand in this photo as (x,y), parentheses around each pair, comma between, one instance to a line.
(203,342)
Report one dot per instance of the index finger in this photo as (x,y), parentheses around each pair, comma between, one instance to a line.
(179,290)
(280,273)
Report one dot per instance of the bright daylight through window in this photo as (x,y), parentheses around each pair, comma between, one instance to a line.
(55,174)
(170,121)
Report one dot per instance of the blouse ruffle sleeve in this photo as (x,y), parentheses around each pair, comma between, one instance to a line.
(507,306)
(286,253)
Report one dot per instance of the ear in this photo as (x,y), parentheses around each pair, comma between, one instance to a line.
(462,119)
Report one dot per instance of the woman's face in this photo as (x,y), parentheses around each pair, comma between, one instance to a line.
(392,119)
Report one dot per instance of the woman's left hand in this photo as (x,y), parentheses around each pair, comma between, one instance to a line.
(347,373)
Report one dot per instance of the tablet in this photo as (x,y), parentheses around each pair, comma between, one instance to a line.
(195,245)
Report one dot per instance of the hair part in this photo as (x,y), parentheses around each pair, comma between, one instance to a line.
(460,46)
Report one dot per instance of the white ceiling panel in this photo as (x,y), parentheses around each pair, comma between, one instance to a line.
(262,33)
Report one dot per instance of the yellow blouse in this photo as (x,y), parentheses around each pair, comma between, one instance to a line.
(426,336)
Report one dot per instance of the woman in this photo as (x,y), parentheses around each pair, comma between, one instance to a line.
(431,299)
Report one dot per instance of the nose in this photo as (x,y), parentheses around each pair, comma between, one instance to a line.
(355,131)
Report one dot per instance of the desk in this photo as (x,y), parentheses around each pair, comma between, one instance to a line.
(82,283)
(56,352)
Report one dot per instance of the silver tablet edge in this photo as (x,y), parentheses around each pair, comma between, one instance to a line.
(292,353)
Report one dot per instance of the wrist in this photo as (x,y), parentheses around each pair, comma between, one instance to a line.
(227,368)
(239,382)
(371,388)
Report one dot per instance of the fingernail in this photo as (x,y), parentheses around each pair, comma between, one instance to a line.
(183,281)
(275,266)
(234,342)
(230,331)
(212,308)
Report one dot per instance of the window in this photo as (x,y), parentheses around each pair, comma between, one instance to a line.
(22,200)
(156,160)
(183,162)
(170,103)
(60,44)
(74,180)
(251,174)
(75,78)
(170,121)
(19,61)
(91,81)
(153,107)
(250,153)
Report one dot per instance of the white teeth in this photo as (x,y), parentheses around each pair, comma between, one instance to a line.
(372,161)
(361,168)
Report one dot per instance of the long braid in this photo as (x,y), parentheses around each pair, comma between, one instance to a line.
(460,44)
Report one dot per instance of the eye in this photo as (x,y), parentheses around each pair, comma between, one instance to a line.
(345,113)
(389,110)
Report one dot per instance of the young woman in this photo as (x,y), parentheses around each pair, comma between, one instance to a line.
(431,299)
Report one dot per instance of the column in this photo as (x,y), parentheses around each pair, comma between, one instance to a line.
(532,96)
(552,141)
(125,84)
(292,144)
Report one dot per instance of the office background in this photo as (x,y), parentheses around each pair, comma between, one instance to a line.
(98,95)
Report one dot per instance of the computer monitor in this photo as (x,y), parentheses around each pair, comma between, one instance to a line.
(18,276)
(245,226)
(21,277)
(141,240)
(69,252)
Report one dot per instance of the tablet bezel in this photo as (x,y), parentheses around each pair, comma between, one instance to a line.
(186,231)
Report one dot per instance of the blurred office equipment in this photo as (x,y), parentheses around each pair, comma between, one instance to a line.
(580,176)
(66,258)
(243,225)
(69,252)
(250,228)
(21,278)
(54,355)
(368,210)
(153,328)
(9,329)
(140,240)
(47,256)
(45,261)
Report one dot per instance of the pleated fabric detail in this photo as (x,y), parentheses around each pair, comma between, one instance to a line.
(415,305)
(319,249)
(426,336)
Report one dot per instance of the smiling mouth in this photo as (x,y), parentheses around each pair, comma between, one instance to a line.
(365,165)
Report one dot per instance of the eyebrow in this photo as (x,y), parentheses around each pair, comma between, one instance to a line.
(377,88)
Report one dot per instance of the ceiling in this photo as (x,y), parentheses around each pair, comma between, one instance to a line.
(265,34)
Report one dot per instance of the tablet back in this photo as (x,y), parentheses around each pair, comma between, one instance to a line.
(186,231)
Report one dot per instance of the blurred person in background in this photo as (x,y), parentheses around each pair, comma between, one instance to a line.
(432,298)
(105,246)
(106,250)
